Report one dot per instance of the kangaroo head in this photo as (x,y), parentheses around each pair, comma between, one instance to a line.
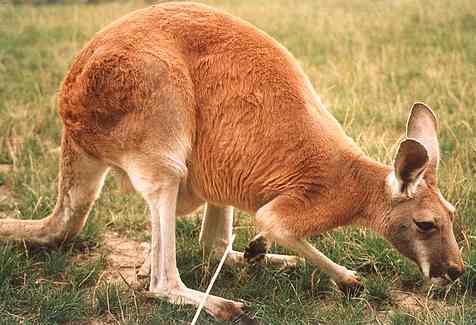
(420,220)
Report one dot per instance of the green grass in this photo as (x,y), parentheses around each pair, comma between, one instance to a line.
(369,61)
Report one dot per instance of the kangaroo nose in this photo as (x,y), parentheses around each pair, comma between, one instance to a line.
(455,272)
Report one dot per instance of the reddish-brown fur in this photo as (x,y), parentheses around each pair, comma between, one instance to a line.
(255,126)
(188,99)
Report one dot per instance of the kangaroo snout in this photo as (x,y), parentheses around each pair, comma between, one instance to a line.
(455,271)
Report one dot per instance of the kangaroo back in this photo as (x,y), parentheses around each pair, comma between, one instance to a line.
(236,103)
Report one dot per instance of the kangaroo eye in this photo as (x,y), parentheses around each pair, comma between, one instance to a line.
(425,225)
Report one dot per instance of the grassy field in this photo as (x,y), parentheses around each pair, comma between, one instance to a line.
(369,60)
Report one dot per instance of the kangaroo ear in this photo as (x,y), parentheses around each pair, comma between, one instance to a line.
(422,125)
(410,164)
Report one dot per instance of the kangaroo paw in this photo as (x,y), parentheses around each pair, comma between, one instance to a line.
(256,250)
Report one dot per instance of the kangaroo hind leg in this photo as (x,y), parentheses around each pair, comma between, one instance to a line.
(160,187)
(81,178)
(215,235)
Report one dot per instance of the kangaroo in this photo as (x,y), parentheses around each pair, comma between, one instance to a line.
(197,106)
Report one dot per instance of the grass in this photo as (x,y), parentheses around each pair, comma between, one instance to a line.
(369,60)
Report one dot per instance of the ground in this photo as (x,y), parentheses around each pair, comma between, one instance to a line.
(369,61)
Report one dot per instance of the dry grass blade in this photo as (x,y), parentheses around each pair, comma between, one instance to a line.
(212,281)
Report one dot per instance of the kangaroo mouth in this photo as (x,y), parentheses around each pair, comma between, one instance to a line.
(436,277)
(440,281)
